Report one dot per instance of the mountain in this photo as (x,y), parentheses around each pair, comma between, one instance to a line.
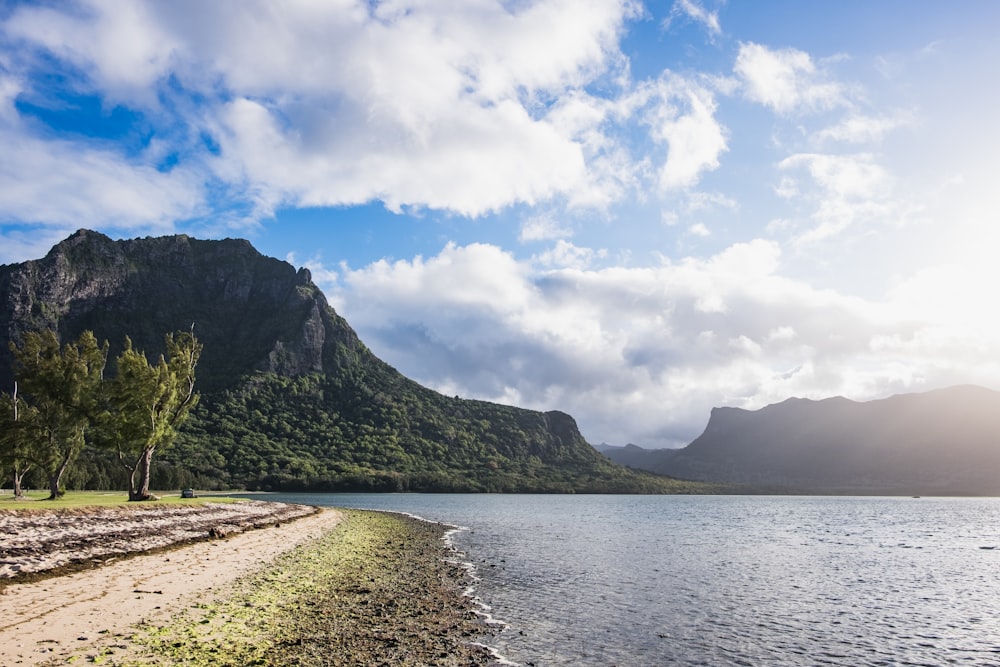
(945,441)
(632,456)
(291,398)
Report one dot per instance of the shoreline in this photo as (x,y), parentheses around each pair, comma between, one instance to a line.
(344,587)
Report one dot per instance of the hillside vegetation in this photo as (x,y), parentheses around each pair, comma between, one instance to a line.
(291,399)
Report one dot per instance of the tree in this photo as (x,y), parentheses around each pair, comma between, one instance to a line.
(17,421)
(145,404)
(62,384)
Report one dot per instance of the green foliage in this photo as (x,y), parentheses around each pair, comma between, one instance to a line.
(373,430)
(62,385)
(70,403)
(146,403)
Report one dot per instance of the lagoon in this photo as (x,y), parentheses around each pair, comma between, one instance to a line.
(726,580)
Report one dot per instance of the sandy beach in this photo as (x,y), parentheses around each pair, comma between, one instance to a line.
(119,611)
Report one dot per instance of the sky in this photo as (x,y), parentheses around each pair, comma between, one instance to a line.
(631,212)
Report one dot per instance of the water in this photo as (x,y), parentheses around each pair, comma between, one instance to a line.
(728,580)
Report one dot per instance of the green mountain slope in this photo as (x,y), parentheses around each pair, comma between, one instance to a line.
(291,398)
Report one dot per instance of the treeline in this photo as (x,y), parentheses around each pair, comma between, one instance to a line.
(62,405)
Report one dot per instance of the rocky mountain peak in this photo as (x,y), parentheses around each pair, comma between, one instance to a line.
(250,311)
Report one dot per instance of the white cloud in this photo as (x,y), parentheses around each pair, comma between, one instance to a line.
(543,228)
(481,161)
(786,80)
(697,13)
(844,176)
(72,185)
(706,201)
(566,255)
(476,106)
(477,275)
(120,45)
(635,354)
(784,333)
(842,192)
(682,115)
(413,104)
(591,122)
(954,299)
(699,229)
(858,128)
(10,88)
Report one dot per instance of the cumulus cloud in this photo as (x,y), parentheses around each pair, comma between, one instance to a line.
(66,184)
(681,114)
(956,336)
(469,108)
(636,354)
(696,140)
(594,123)
(120,45)
(786,80)
(412,104)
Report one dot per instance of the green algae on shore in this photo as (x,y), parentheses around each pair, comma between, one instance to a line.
(376,590)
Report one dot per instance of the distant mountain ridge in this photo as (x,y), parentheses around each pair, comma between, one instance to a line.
(945,441)
(291,398)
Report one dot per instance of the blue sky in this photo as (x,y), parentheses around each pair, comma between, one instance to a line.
(630,212)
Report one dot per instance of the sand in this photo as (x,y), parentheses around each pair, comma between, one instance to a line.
(49,619)
(311,587)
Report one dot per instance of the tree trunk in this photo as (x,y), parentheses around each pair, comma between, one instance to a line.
(55,479)
(19,474)
(142,465)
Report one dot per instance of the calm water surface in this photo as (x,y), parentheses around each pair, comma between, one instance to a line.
(727,580)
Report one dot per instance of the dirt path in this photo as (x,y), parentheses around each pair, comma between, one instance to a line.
(48,620)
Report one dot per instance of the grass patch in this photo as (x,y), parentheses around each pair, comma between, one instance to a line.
(38,500)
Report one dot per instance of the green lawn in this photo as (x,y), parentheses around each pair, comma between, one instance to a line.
(38,500)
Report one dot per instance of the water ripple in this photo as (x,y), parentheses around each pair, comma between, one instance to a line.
(789,581)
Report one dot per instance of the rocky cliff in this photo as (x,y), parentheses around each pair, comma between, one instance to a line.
(251,312)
